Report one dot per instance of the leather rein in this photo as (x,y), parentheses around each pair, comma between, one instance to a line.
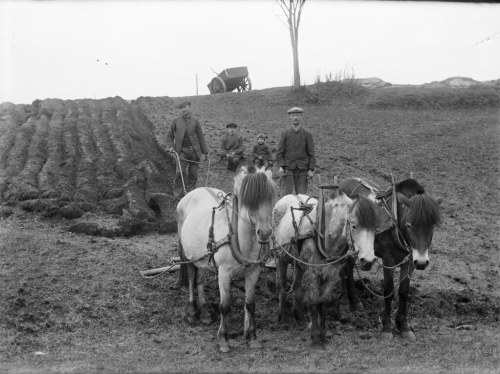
(232,237)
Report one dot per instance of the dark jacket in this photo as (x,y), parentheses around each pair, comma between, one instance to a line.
(231,144)
(187,126)
(262,150)
(296,150)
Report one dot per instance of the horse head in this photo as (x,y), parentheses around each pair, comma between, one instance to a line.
(352,222)
(419,214)
(256,193)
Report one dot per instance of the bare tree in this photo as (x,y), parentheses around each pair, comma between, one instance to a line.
(292,10)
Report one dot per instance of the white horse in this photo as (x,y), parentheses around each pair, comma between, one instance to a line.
(230,233)
(349,225)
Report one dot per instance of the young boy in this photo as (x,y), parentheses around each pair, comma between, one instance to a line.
(261,152)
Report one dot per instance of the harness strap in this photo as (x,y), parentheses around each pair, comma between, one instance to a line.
(212,245)
(235,245)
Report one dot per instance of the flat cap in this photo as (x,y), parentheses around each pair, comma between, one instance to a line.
(233,125)
(295,109)
(183,104)
(261,135)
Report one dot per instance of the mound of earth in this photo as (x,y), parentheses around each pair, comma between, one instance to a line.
(372,82)
(79,158)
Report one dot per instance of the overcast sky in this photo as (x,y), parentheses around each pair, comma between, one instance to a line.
(94,49)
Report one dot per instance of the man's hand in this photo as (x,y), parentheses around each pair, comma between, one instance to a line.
(282,171)
(310,174)
(171,149)
(204,157)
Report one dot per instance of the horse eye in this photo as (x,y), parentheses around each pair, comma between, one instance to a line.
(408,224)
(354,227)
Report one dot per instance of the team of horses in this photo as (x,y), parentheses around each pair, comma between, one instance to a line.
(319,240)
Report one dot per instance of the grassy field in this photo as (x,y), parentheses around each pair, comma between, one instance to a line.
(76,303)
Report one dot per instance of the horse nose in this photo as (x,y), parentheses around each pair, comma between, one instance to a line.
(421,265)
(365,264)
(264,235)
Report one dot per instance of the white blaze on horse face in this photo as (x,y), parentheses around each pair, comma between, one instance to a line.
(420,258)
(420,243)
(363,240)
(262,220)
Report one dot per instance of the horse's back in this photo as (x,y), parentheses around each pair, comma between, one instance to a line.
(194,218)
(357,186)
(283,215)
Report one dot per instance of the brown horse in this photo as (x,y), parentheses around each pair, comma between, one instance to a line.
(349,229)
(409,217)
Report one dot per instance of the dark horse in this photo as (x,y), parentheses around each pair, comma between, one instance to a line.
(403,239)
(349,229)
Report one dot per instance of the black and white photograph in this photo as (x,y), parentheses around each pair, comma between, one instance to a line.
(237,186)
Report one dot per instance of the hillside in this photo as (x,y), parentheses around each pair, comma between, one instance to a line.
(102,164)
(77,303)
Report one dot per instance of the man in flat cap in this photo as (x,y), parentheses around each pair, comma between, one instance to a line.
(231,147)
(187,139)
(296,156)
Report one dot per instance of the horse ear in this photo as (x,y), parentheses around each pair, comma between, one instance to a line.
(404,199)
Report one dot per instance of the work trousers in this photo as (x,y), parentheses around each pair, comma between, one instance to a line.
(294,179)
(233,163)
(189,172)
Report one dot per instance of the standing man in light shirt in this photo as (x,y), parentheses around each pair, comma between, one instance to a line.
(295,156)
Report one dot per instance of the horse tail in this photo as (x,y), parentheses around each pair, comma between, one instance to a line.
(183,270)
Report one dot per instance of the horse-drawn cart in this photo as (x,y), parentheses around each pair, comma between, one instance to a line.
(231,79)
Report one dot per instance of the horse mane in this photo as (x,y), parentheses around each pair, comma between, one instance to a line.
(424,211)
(410,185)
(367,213)
(256,189)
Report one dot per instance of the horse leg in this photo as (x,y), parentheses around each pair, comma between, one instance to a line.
(322,322)
(315,329)
(281,269)
(202,303)
(191,308)
(388,296)
(224,307)
(298,296)
(345,304)
(404,291)
(251,278)
(355,301)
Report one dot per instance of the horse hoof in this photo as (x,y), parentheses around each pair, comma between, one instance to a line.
(358,306)
(205,318)
(190,320)
(254,344)
(384,335)
(318,346)
(284,319)
(408,335)
(224,348)
(344,309)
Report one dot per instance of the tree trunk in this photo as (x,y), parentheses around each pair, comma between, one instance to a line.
(296,71)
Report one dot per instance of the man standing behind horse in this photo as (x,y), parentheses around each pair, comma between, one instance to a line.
(187,139)
(296,156)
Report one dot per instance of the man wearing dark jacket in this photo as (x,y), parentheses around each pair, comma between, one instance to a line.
(296,156)
(187,139)
(231,147)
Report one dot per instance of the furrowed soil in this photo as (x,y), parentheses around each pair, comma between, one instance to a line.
(73,300)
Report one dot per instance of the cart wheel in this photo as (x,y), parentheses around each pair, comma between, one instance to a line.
(217,85)
(245,85)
